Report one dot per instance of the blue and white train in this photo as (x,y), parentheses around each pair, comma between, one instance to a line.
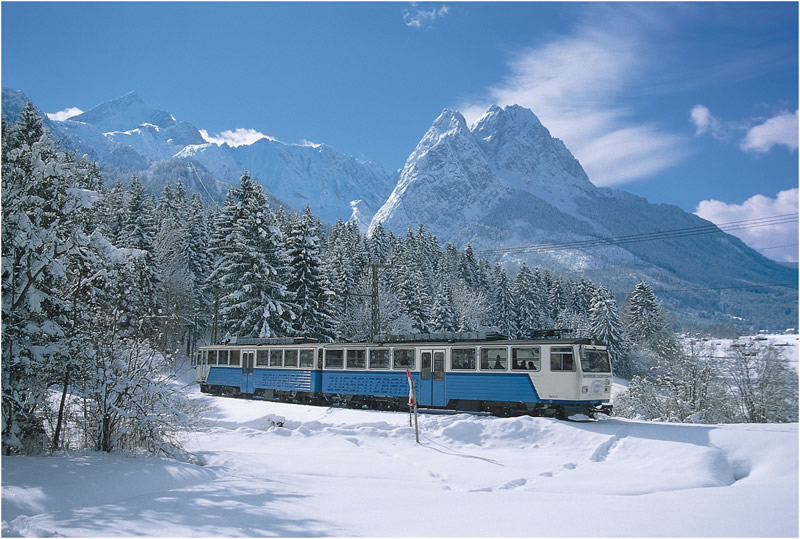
(466,372)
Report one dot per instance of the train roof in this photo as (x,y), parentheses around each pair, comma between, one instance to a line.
(544,337)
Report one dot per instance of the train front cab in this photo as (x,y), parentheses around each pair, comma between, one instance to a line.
(562,379)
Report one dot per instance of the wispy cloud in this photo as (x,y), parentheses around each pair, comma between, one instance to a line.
(780,130)
(65,114)
(418,17)
(778,242)
(575,86)
(237,137)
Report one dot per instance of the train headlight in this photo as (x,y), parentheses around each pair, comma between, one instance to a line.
(584,389)
(607,387)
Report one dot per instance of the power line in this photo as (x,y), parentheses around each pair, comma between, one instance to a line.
(732,287)
(646,236)
(777,247)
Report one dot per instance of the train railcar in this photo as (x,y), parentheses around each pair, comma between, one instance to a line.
(466,372)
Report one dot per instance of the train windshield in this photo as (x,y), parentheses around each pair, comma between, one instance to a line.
(595,361)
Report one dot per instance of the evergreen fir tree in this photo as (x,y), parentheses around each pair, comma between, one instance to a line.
(444,317)
(250,269)
(606,326)
(503,304)
(306,282)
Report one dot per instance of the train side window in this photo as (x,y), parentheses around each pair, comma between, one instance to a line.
(223,357)
(379,358)
(356,358)
(526,359)
(276,358)
(334,359)
(290,358)
(494,359)
(404,359)
(234,357)
(462,359)
(307,358)
(562,359)
(212,357)
(262,360)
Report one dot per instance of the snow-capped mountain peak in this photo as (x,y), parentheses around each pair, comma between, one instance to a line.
(506,154)
(124,114)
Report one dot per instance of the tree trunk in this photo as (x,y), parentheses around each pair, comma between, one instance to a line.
(57,433)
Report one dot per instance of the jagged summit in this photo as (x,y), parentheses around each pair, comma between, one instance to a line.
(506,155)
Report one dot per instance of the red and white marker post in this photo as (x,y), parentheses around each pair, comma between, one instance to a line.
(412,403)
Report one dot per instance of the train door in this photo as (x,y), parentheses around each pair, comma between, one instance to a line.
(431,386)
(248,360)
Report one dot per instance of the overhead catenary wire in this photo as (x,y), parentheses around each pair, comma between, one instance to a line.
(774,220)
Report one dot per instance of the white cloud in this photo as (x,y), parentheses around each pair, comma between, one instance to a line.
(417,17)
(62,115)
(778,130)
(702,119)
(238,137)
(778,240)
(574,84)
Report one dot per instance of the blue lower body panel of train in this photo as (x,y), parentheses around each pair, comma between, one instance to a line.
(374,384)
(305,380)
(476,386)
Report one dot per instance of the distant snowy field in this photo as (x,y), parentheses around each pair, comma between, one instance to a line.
(288,470)
(786,345)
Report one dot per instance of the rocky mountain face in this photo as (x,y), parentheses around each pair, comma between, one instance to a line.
(516,194)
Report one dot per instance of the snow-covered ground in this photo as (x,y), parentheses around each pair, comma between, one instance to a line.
(287,470)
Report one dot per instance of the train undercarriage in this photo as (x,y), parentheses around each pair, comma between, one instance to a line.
(400,404)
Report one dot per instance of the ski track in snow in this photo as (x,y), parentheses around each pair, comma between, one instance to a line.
(288,470)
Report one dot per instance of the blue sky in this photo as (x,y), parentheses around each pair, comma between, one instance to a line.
(693,104)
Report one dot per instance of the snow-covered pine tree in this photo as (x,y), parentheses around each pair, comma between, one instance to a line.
(199,264)
(378,245)
(557,299)
(111,210)
(647,329)
(503,303)
(87,175)
(540,294)
(306,284)
(524,302)
(469,270)
(251,270)
(171,257)
(444,316)
(606,326)
(139,233)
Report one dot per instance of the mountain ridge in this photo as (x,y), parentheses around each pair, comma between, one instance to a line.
(131,137)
